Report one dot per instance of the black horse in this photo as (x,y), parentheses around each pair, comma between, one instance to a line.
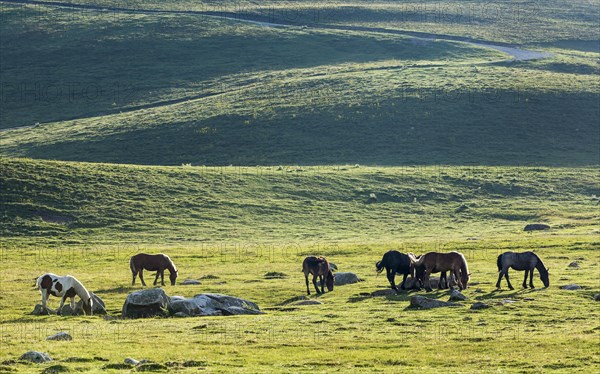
(395,262)
(521,261)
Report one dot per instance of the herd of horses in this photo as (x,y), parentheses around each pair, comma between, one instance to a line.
(419,268)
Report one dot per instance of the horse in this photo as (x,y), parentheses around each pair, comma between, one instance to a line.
(435,262)
(318,267)
(67,286)
(521,261)
(158,263)
(395,262)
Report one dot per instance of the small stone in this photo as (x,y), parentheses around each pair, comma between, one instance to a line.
(188,282)
(308,302)
(574,264)
(341,279)
(455,295)
(597,297)
(60,336)
(478,290)
(571,287)
(39,310)
(479,305)
(536,226)
(427,303)
(131,361)
(35,356)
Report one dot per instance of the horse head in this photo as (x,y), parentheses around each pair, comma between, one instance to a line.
(329,281)
(545,278)
(173,277)
(379,267)
(87,306)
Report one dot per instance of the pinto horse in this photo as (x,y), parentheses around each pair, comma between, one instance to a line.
(435,262)
(158,263)
(395,262)
(318,267)
(527,261)
(67,286)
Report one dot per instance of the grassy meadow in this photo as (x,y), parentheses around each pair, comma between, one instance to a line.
(239,149)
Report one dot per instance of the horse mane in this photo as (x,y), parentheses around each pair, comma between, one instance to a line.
(414,260)
(172,266)
(463,267)
(540,265)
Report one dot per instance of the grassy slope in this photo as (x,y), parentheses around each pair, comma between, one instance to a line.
(82,203)
(385,104)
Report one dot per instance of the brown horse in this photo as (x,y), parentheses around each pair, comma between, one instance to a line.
(318,267)
(158,263)
(435,262)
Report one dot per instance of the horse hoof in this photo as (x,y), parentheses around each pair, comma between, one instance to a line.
(511,288)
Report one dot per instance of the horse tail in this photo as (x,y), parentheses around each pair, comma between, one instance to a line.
(381,264)
(132,264)
(38,282)
(499,262)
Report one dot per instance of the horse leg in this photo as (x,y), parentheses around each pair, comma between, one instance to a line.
(162,277)
(322,280)
(156,277)
(62,303)
(307,288)
(508,280)
(442,277)
(426,280)
(531,278)
(142,277)
(133,278)
(525,279)
(403,281)
(314,281)
(499,279)
(391,276)
(458,279)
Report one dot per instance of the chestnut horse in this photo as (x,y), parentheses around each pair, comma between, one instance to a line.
(435,262)
(158,263)
(318,267)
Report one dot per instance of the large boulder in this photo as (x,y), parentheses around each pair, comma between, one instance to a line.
(212,304)
(35,356)
(343,278)
(98,307)
(456,295)
(39,310)
(411,283)
(427,303)
(146,303)
(536,226)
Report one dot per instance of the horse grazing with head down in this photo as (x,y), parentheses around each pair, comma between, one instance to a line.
(158,263)
(318,267)
(395,262)
(67,286)
(521,261)
(435,262)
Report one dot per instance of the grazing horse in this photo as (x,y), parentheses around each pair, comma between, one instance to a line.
(318,267)
(395,262)
(521,261)
(435,262)
(67,286)
(158,263)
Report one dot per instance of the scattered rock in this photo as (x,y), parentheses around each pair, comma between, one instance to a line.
(209,276)
(508,301)
(188,282)
(536,226)
(275,275)
(427,303)
(54,369)
(478,290)
(38,310)
(308,302)
(36,357)
(146,303)
(461,208)
(386,292)
(597,297)
(294,299)
(479,305)
(60,336)
(345,278)
(455,295)
(152,366)
(473,238)
(574,264)
(571,287)
(131,361)
(528,299)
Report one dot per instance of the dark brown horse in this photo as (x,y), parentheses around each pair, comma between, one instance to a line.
(435,262)
(158,263)
(318,267)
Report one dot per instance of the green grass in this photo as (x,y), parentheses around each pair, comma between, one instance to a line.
(544,330)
